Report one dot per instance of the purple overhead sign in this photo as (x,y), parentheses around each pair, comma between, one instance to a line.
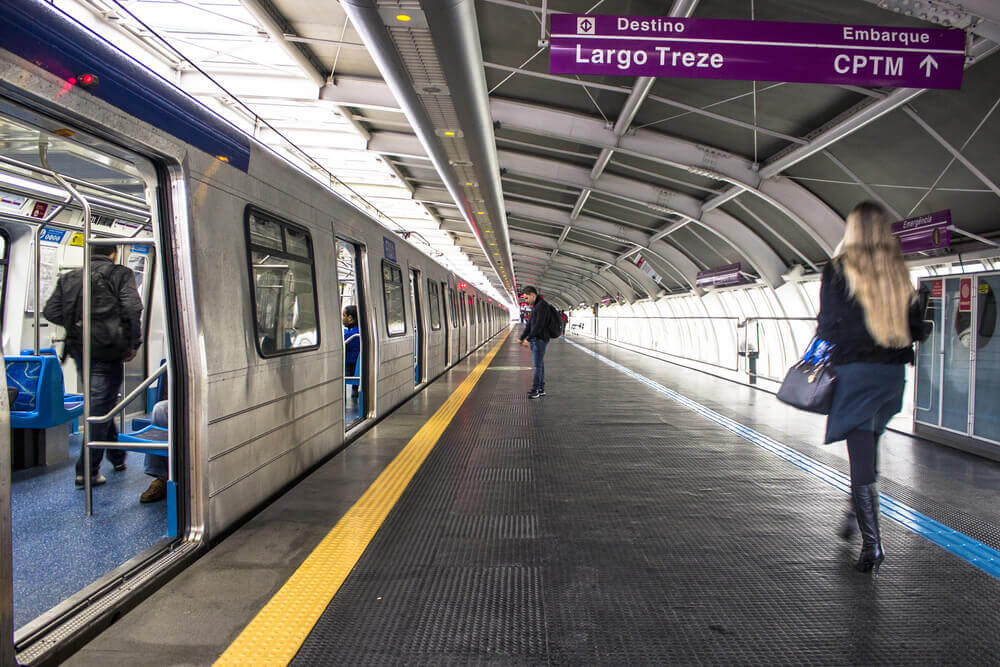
(756,51)
(924,232)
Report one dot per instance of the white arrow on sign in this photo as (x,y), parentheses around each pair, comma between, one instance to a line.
(928,63)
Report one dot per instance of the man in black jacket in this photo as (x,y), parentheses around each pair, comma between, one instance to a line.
(537,334)
(65,308)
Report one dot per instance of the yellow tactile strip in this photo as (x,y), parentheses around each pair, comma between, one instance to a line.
(274,636)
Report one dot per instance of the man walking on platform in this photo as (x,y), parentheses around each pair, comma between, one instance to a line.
(543,325)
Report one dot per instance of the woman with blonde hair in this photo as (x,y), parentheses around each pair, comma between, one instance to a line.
(869,312)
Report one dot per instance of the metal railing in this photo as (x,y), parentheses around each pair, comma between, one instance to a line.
(769,345)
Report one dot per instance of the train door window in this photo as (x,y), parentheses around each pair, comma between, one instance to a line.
(4,248)
(434,305)
(392,294)
(986,413)
(444,319)
(454,308)
(38,214)
(418,327)
(350,289)
(282,285)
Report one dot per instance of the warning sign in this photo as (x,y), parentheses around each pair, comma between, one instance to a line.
(937,289)
(965,296)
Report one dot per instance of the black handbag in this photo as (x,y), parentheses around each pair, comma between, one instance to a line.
(809,384)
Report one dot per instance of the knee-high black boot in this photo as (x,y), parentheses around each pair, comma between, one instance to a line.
(850,523)
(866,505)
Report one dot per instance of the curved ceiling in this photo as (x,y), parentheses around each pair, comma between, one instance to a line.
(598,187)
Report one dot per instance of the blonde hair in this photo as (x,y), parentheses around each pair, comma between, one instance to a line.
(877,277)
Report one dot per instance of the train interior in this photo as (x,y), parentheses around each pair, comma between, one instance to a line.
(349,268)
(61,551)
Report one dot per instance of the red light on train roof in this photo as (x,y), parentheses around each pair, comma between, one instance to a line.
(87,80)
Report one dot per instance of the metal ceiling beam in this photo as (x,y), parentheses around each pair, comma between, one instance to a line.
(663,100)
(955,153)
(982,17)
(455,32)
(610,258)
(724,226)
(677,260)
(359,92)
(366,19)
(821,223)
(863,114)
(641,88)
(607,281)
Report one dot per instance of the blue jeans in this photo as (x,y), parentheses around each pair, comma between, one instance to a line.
(538,360)
(105,383)
(155,465)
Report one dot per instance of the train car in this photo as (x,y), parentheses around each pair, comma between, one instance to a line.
(245,266)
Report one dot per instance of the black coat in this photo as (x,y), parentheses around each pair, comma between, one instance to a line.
(841,321)
(538,324)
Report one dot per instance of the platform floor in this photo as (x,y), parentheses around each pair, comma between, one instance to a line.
(603,523)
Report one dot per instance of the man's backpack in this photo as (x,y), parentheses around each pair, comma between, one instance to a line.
(554,324)
(109,326)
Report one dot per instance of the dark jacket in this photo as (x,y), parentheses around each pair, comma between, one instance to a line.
(841,321)
(352,348)
(122,280)
(538,322)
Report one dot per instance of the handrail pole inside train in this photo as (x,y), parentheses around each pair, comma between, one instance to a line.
(87,487)
(128,399)
(37,244)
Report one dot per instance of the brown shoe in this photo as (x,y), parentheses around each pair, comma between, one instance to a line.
(156,492)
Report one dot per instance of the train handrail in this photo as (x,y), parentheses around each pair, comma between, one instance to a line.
(134,394)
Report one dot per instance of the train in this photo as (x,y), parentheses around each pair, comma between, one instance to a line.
(245,265)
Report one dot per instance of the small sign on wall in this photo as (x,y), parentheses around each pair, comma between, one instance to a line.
(389,249)
(965,296)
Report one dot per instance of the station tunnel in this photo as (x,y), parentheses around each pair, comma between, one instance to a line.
(453,332)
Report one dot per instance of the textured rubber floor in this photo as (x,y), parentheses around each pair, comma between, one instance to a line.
(603,524)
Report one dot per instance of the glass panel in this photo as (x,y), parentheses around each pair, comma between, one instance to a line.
(435,304)
(987,407)
(392,287)
(265,232)
(297,242)
(928,392)
(286,305)
(958,337)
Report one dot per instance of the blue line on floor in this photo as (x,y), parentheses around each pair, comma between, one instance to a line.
(968,549)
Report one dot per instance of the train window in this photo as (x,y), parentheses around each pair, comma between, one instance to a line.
(282,285)
(265,232)
(454,307)
(392,290)
(434,304)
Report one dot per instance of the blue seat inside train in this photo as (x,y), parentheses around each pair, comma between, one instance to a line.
(157,431)
(41,400)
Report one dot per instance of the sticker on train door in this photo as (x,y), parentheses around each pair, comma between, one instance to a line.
(937,289)
(965,296)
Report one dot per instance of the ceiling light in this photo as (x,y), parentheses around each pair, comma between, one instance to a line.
(403,17)
(480,212)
